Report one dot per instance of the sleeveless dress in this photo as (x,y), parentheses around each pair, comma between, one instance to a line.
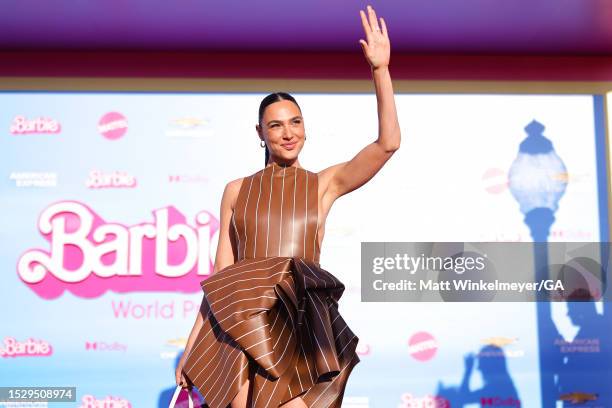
(272,317)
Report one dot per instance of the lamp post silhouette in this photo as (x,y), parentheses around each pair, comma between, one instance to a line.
(537,180)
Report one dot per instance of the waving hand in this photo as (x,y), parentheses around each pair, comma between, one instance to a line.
(377,49)
(345,177)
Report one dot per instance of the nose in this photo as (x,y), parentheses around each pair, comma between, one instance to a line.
(287,133)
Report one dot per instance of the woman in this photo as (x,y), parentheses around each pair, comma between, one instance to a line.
(269,333)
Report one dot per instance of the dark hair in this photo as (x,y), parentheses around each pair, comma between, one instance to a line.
(268,100)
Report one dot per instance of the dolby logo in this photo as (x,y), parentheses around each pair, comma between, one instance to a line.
(104,346)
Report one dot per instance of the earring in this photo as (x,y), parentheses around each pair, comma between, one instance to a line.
(262,143)
(304,137)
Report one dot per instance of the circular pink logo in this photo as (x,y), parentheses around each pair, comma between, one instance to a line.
(495,181)
(113,125)
(422,346)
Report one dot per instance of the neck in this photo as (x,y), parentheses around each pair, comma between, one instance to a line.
(284,163)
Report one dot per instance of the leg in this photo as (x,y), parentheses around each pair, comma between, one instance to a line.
(244,398)
(241,399)
(295,403)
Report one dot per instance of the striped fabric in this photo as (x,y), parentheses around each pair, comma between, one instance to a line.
(272,317)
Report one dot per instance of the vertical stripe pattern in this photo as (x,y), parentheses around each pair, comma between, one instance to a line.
(272,317)
(276,214)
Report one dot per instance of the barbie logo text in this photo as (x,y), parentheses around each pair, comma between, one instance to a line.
(98,179)
(28,348)
(89,401)
(89,256)
(21,125)
(428,401)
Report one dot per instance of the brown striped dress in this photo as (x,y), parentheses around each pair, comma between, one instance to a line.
(272,317)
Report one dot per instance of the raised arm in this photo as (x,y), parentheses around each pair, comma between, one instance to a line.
(345,177)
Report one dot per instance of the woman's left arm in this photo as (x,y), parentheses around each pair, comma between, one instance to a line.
(345,177)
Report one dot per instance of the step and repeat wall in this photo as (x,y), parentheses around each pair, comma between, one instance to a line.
(110,214)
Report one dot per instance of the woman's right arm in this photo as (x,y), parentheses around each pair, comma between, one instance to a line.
(226,255)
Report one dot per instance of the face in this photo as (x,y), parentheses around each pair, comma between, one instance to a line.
(282,128)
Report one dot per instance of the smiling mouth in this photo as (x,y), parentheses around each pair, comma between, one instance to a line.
(289,146)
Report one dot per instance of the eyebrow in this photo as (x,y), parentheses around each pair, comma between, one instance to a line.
(280,121)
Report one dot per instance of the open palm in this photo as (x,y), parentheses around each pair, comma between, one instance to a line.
(377,49)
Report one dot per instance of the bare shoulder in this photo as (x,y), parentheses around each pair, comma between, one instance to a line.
(231,191)
(234,185)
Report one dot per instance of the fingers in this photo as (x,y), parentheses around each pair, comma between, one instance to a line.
(365,24)
(364,47)
(384,27)
(373,19)
(180,380)
(370,23)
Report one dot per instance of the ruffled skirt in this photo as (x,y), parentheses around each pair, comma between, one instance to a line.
(273,321)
